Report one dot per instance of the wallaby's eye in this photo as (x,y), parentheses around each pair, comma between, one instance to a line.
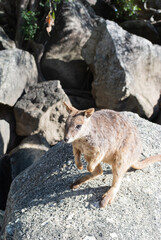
(78,126)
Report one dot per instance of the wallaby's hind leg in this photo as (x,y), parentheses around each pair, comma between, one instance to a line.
(109,196)
(119,168)
(98,171)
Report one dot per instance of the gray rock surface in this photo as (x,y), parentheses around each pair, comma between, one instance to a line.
(5,41)
(7,115)
(62,59)
(126,69)
(41,110)
(1,218)
(41,204)
(143,29)
(30,150)
(18,71)
(4,136)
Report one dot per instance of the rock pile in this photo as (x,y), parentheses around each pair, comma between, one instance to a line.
(41,204)
(125,68)
(89,61)
(41,110)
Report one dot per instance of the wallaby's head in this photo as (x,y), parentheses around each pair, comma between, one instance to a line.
(76,122)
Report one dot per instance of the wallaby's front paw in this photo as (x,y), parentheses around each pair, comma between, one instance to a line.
(80,167)
(106,199)
(90,167)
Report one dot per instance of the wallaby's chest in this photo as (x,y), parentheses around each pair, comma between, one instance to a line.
(86,146)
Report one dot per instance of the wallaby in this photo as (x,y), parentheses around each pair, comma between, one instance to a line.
(104,136)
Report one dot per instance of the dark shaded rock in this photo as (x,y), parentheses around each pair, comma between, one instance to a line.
(4,136)
(1,218)
(41,110)
(125,69)
(62,59)
(29,151)
(7,115)
(157,26)
(5,180)
(156,4)
(46,207)
(143,29)
(5,41)
(157,119)
(18,71)
(150,9)
(81,99)
(72,75)
(105,9)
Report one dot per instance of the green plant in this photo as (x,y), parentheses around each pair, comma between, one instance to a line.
(32,19)
(30,25)
(127,9)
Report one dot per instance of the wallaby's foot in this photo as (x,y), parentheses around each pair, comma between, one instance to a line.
(107,198)
(76,184)
(97,171)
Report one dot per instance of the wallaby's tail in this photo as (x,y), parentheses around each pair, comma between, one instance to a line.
(146,162)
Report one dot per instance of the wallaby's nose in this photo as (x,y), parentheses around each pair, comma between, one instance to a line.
(66,139)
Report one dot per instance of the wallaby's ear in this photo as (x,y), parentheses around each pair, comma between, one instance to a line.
(69,108)
(89,112)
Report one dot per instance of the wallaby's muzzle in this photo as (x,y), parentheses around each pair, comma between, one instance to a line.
(66,139)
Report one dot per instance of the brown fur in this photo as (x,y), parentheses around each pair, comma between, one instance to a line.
(104,136)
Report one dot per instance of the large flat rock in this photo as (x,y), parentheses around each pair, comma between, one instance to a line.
(18,71)
(41,204)
(41,110)
(125,69)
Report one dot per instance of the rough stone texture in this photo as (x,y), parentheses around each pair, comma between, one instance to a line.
(29,151)
(7,115)
(126,69)
(5,41)
(80,99)
(143,29)
(1,218)
(4,136)
(46,207)
(62,59)
(41,110)
(18,71)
